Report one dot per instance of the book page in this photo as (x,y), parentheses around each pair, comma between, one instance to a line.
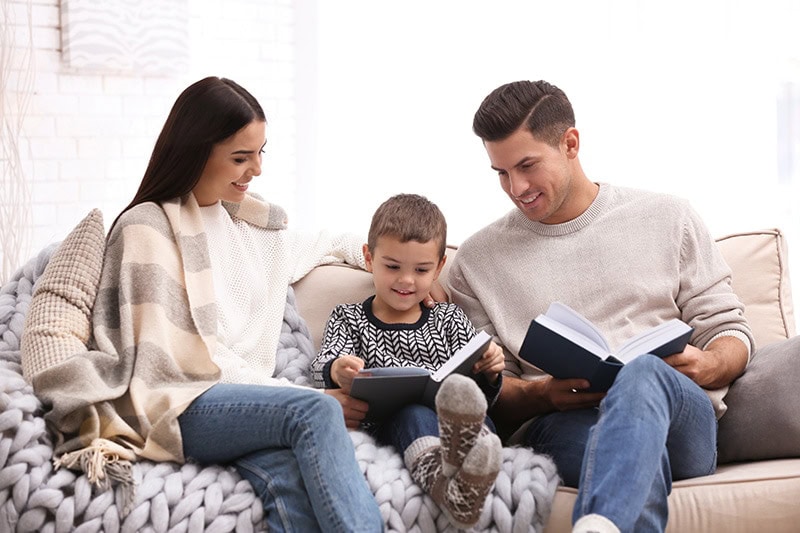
(393,371)
(574,320)
(573,335)
(652,339)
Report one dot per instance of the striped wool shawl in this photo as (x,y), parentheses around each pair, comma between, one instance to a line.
(154,335)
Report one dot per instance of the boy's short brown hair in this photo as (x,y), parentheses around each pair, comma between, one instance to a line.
(408,217)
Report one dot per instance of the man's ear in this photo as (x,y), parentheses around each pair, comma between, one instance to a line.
(571,142)
(367,257)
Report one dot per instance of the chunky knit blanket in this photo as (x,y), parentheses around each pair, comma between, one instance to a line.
(174,498)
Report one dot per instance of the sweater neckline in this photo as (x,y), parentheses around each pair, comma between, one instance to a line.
(366,305)
(595,209)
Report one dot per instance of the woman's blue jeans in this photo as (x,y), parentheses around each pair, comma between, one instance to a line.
(653,426)
(292,445)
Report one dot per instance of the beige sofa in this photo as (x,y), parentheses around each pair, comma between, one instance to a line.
(761,496)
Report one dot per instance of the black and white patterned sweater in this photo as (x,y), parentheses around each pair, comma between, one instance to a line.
(353,329)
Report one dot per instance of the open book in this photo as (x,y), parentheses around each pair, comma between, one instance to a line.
(390,388)
(565,344)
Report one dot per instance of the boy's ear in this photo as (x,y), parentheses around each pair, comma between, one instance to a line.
(367,257)
(439,268)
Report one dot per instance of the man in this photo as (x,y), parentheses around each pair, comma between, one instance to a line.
(627,260)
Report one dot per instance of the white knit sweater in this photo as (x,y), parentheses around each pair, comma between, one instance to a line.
(252,269)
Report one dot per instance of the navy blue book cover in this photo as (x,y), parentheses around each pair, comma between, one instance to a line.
(388,389)
(564,358)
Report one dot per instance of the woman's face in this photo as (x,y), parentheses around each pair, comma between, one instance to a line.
(231,165)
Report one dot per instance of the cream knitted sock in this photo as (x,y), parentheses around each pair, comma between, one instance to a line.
(461,409)
(462,496)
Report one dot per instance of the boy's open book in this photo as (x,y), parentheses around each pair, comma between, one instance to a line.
(388,389)
(565,344)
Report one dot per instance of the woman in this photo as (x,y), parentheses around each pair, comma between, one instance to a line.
(190,305)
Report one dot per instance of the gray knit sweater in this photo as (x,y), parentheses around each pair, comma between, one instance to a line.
(632,260)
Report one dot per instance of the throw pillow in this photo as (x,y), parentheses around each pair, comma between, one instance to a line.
(760,278)
(762,420)
(58,322)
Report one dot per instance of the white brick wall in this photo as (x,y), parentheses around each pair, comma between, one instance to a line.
(87,136)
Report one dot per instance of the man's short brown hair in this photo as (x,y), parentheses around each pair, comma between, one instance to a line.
(543,109)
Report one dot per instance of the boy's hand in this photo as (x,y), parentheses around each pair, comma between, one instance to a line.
(353,410)
(344,369)
(492,363)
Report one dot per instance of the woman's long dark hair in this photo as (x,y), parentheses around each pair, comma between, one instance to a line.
(206,113)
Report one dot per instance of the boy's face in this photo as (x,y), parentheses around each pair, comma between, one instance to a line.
(403,273)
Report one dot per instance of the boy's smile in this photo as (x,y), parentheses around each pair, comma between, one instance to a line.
(403,273)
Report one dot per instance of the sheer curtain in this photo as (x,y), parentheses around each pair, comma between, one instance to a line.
(684,97)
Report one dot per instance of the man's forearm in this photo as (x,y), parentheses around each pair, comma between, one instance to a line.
(519,400)
(731,356)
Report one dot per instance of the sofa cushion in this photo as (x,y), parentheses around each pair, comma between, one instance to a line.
(758,260)
(763,418)
(757,496)
(760,278)
(58,322)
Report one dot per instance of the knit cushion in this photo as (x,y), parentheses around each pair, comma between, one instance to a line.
(58,323)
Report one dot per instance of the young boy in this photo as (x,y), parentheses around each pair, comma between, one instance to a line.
(451,453)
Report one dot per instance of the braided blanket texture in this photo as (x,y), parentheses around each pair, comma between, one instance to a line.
(34,497)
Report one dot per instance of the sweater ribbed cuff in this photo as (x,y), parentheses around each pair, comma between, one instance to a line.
(736,334)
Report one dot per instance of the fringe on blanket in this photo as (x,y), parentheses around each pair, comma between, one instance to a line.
(104,461)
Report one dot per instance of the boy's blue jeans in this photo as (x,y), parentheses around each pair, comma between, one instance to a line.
(409,424)
(292,445)
(653,426)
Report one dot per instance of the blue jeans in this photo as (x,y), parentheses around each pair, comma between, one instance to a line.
(292,445)
(409,424)
(653,426)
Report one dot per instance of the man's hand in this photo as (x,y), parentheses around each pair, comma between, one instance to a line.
(491,363)
(723,361)
(437,294)
(567,394)
(520,399)
(353,410)
(344,369)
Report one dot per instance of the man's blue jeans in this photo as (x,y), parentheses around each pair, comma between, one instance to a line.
(292,445)
(653,426)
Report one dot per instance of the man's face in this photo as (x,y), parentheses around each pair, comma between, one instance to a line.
(535,175)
